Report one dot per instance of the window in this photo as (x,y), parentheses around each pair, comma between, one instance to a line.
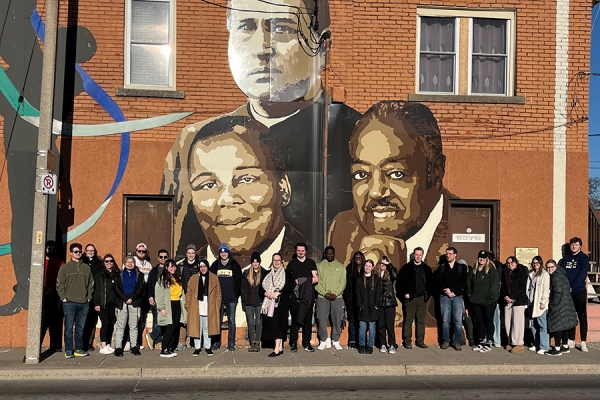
(481,62)
(150,44)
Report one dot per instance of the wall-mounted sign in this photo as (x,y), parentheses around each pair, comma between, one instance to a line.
(525,255)
(468,237)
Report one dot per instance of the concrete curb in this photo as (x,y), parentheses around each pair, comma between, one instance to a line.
(305,371)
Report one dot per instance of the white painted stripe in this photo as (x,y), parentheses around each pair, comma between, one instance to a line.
(560,130)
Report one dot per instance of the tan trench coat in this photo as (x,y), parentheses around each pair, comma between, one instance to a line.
(214,306)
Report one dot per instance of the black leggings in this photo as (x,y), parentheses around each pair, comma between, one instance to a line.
(580,301)
(171,331)
(561,336)
(485,321)
(107,318)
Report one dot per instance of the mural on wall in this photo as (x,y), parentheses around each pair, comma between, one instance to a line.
(254,178)
(276,53)
(20,84)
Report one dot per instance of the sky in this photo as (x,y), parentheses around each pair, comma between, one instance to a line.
(594,121)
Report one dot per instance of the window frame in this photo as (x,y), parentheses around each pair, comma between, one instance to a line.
(172,42)
(508,15)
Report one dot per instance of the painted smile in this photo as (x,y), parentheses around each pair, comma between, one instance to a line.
(233,222)
(384,212)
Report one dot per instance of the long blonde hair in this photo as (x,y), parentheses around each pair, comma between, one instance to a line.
(254,277)
(489,264)
(377,269)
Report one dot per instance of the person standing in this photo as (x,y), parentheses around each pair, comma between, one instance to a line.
(451,278)
(513,292)
(203,305)
(499,312)
(278,286)
(330,303)
(252,299)
(538,296)
(154,337)
(130,290)
(105,298)
(305,274)
(170,304)
(52,314)
(353,272)
(188,267)
(142,262)
(562,315)
(483,289)
(387,306)
(75,286)
(577,265)
(227,269)
(413,288)
(368,295)
(91,258)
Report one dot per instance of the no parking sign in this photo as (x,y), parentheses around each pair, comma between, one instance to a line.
(49,183)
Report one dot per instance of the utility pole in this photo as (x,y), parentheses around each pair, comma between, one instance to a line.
(45,163)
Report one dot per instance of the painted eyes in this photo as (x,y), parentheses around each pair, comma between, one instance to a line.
(359,176)
(396,175)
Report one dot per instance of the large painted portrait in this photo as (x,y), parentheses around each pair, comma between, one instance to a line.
(276,52)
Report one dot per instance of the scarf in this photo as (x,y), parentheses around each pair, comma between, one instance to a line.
(202,288)
(274,282)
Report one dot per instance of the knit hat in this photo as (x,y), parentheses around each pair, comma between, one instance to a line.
(255,257)
(224,248)
(190,247)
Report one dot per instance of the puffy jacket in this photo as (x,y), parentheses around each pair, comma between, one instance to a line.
(518,286)
(104,289)
(388,295)
(137,297)
(561,312)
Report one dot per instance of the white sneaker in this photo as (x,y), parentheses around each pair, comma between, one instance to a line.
(532,348)
(571,344)
(383,349)
(392,350)
(142,347)
(328,343)
(337,346)
(106,350)
(583,347)
(127,347)
(541,351)
(321,346)
(497,345)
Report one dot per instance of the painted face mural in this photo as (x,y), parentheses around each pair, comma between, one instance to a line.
(272,53)
(397,169)
(237,193)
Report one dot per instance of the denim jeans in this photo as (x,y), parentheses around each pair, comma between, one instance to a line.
(75,313)
(230,309)
(362,333)
(156,333)
(204,333)
(539,328)
(452,309)
(497,325)
(353,330)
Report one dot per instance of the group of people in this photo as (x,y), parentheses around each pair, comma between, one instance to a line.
(188,300)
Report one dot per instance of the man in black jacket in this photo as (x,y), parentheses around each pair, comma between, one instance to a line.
(451,278)
(155,336)
(230,277)
(413,288)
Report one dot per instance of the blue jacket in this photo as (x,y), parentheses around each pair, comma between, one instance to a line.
(577,267)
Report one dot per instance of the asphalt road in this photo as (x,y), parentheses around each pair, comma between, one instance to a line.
(561,387)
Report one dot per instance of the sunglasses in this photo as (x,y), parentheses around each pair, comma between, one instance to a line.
(76,252)
(141,251)
(109,261)
(163,257)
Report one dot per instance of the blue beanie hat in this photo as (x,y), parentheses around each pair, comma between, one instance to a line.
(224,248)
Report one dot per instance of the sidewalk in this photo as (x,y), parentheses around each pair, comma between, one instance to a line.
(241,363)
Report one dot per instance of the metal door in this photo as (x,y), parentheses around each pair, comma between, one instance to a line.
(149,220)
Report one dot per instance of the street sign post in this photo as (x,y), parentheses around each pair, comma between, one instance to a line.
(49,183)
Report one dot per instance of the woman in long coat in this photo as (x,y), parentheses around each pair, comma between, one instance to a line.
(203,317)
(561,312)
(278,286)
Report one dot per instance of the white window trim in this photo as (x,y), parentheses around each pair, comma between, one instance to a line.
(505,14)
(456,57)
(172,41)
